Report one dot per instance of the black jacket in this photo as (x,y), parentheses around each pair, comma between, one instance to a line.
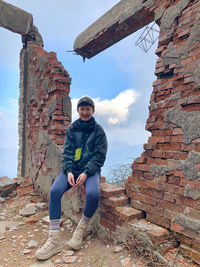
(85,148)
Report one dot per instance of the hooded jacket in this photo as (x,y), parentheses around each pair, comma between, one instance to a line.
(85,148)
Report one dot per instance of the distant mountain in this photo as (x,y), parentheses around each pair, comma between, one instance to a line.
(120,153)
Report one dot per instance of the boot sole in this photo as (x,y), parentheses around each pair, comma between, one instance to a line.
(47,256)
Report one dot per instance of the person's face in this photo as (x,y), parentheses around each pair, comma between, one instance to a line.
(85,112)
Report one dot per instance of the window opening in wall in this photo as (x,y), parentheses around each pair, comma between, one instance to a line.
(9,67)
(124,112)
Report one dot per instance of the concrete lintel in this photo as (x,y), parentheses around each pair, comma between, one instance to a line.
(14,19)
(123,19)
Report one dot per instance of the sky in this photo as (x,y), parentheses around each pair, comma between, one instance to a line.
(118,79)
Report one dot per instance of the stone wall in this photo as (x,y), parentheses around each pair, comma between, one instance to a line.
(45,113)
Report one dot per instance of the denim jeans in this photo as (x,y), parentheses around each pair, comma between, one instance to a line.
(61,185)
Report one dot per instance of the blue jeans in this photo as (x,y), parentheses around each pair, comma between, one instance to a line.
(61,185)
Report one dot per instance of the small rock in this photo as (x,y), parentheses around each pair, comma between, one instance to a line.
(31,219)
(126,262)
(22,223)
(69,253)
(26,251)
(2,237)
(27,211)
(58,261)
(41,206)
(32,244)
(70,259)
(46,220)
(118,249)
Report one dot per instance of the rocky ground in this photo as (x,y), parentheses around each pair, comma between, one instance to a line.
(24,228)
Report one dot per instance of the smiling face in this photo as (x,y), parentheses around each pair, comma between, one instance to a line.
(85,112)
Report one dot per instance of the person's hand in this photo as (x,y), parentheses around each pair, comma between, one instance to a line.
(81,179)
(70,178)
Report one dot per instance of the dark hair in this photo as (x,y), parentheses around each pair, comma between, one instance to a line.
(85,101)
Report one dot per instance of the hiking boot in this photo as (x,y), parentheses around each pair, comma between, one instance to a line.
(76,241)
(52,246)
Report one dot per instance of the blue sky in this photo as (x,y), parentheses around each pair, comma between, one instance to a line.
(119,79)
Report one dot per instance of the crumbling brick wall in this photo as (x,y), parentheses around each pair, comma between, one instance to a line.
(46,112)
(165,182)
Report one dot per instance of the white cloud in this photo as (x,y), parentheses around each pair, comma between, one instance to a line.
(115,111)
(111,112)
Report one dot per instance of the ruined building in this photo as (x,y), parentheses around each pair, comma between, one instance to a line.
(165,183)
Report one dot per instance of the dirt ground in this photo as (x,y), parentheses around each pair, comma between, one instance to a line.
(94,253)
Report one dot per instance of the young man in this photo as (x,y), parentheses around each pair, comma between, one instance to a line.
(84,154)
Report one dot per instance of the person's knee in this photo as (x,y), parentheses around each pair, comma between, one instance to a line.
(92,196)
(54,192)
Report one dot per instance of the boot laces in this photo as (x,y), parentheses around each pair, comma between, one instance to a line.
(78,233)
(49,241)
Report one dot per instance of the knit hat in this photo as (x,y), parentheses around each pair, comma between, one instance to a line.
(85,101)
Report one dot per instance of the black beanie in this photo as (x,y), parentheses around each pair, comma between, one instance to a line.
(85,101)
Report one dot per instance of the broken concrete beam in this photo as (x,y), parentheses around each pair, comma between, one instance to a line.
(14,19)
(123,19)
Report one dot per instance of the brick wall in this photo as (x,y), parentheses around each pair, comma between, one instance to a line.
(45,112)
(165,182)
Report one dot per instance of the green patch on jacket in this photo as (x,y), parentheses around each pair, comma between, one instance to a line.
(77,154)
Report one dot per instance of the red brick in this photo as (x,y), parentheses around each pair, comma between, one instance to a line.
(196,245)
(140,160)
(137,181)
(192,253)
(107,224)
(158,236)
(187,201)
(170,206)
(132,187)
(141,167)
(26,190)
(185,240)
(106,208)
(156,139)
(157,219)
(152,192)
(175,189)
(176,227)
(170,147)
(116,201)
(102,179)
(107,216)
(146,207)
(110,190)
(142,198)
(128,213)
(169,198)
(173,180)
